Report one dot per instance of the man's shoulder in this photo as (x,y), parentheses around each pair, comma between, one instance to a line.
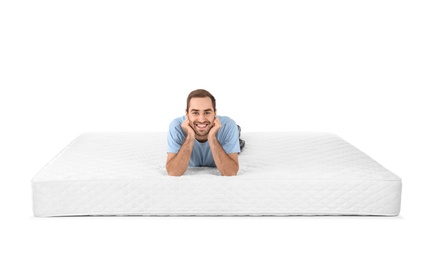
(176,124)
(177,121)
(227,121)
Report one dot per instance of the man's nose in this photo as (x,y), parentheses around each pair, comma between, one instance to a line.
(202,117)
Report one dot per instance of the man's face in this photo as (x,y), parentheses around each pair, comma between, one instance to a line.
(201,116)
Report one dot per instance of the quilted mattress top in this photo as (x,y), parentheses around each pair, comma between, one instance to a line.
(267,155)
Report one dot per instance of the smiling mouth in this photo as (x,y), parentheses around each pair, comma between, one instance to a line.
(201,127)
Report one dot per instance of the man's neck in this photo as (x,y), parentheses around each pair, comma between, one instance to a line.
(202,139)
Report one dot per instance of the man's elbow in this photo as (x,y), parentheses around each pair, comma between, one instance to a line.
(173,172)
(231,172)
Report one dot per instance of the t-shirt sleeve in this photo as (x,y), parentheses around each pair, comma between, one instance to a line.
(175,137)
(229,138)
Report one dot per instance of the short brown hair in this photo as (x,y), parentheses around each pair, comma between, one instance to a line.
(200,93)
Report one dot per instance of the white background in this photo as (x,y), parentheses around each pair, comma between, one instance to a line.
(355,68)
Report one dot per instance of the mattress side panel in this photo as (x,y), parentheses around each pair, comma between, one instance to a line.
(217,198)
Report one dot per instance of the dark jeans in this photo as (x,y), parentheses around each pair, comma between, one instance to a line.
(242,142)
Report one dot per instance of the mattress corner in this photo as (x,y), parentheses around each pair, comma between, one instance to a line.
(37,175)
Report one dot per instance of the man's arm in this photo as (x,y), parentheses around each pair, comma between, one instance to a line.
(227,164)
(177,163)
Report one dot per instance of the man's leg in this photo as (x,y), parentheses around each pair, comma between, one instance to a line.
(242,142)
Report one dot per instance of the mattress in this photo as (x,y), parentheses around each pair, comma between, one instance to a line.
(281,174)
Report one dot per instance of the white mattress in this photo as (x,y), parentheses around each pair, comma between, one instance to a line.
(284,173)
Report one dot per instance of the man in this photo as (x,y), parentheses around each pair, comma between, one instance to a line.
(202,139)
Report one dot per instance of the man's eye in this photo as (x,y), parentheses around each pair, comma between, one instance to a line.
(195,113)
(207,113)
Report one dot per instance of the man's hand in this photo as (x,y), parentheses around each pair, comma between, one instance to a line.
(186,126)
(215,128)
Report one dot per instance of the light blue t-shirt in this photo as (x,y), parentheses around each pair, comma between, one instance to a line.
(201,154)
